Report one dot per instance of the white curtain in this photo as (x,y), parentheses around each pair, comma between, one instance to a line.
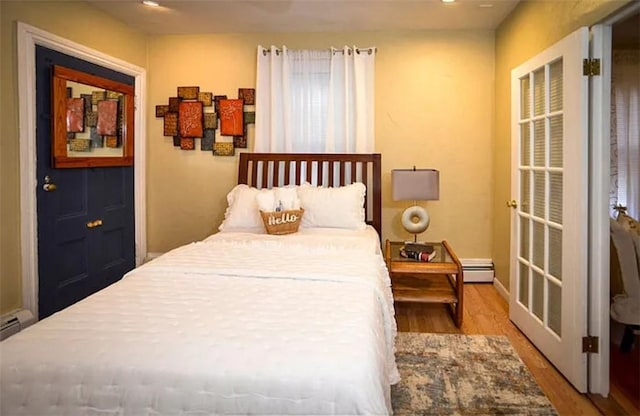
(625,130)
(317,101)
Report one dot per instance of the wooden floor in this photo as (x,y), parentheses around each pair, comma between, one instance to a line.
(487,313)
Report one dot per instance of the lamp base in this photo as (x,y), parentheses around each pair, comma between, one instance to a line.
(415,220)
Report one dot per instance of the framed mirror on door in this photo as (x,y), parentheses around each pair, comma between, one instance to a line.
(92,120)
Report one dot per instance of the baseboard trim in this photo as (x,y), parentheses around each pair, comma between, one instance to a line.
(501,289)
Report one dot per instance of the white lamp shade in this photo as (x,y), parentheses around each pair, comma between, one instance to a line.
(415,184)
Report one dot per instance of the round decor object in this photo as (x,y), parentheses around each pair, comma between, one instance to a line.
(415,219)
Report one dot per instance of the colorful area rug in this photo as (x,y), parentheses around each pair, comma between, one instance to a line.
(463,375)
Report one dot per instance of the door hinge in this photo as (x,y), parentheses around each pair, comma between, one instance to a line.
(590,344)
(590,67)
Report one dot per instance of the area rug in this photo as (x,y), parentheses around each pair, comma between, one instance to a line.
(463,375)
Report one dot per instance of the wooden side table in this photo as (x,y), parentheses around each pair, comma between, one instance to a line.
(437,281)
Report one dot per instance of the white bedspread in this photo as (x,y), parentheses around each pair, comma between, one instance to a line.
(263,326)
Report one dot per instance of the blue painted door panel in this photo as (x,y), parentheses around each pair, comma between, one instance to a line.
(74,260)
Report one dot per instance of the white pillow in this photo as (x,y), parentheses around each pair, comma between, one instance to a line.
(287,197)
(243,213)
(341,207)
(242,210)
(266,201)
(278,199)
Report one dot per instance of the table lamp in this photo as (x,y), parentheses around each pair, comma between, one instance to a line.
(416,185)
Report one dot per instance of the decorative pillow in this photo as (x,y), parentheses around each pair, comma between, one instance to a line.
(341,207)
(242,210)
(286,198)
(278,199)
(266,201)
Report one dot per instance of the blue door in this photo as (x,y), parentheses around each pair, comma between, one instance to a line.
(76,257)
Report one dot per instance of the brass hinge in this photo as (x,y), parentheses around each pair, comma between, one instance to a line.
(590,344)
(590,67)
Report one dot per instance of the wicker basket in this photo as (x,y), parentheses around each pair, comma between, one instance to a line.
(282,222)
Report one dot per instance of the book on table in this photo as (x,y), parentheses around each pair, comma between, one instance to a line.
(418,251)
(419,247)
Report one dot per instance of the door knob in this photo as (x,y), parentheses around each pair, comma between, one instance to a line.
(512,204)
(48,185)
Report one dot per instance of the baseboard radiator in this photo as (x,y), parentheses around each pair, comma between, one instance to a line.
(14,322)
(477,270)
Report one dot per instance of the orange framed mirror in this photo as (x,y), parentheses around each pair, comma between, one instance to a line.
(92,120)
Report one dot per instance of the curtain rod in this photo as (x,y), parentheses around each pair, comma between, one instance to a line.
(333,50)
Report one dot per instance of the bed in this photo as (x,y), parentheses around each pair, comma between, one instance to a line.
(242,322)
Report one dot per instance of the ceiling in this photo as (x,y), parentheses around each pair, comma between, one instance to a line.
(238,16)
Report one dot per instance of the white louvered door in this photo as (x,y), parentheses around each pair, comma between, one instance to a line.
(548,276)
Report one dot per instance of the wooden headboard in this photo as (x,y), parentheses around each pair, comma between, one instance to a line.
(266,170)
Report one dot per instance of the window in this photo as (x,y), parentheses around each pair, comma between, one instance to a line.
(315,100)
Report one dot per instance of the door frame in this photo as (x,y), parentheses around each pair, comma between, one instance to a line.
(28,37)
(599,171)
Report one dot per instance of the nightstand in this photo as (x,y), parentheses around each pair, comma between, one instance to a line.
(437,281)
